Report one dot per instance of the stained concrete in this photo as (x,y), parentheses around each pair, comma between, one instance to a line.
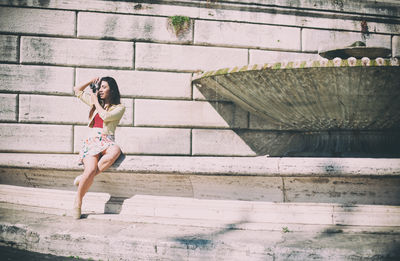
(117,240)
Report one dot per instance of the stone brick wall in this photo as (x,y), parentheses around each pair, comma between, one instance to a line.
(46,47)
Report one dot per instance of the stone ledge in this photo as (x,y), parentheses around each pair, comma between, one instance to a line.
(243,166)
(185,7)
(134,240)
(226,211)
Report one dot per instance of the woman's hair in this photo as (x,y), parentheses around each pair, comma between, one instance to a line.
(114,93)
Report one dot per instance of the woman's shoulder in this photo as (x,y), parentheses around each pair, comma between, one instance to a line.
(115,106)
(120,105)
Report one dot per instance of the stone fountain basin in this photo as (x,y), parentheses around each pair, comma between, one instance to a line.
(351,94)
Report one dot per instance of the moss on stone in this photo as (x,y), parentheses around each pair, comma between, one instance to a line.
(222,71)
(180,24)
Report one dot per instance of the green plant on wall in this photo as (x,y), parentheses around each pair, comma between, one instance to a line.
(180,24)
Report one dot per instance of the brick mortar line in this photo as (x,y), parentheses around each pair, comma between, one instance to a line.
(193,22)
(251,8)
(301,39)
(49,123)
(133,112)
(192,87)
(123,69)
(178,42)
(122,96)
(392,47)
(191,142)
(75,66)
(19,46)
(74,80)
(73,139)
(76,24)
(17,108)
(134,56)
(284,195)
(237,47)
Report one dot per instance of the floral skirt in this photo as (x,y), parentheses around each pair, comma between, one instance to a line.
(95,144)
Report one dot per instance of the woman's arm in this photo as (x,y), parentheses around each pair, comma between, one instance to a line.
(83,96)
(77,89)
(95,102)
(113,115)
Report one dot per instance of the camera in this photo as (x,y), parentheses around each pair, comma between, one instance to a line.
(95,87)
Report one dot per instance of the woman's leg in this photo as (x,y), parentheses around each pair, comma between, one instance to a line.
(86,181)
(93,167)
(110,155)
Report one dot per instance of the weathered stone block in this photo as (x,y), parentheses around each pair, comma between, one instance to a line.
(8,107)
(187,58)
(58,109)
(314,40)
(365,215)
(396,46)
(261,57)
(128,27)
(8,48)
(342,190)
(37,79)
(248,35)
(237,188)
(187,114)
(96,53)
(323,20)
(338,23)
(37,21)
(143,84)
(219,142)
(240,10)
(52,109)
(167,141)
(35,138)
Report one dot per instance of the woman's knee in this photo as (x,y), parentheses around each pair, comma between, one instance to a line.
(114,151)
(90,166)
(90,172)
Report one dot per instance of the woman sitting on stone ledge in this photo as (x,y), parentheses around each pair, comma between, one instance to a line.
(99,151)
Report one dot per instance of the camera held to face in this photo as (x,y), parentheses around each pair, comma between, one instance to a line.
(95,87)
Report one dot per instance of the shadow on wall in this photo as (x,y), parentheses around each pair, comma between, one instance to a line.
(267,138)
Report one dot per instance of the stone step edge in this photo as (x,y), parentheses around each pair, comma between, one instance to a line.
(244,166)
(117,240)
(280,227)
(226,211)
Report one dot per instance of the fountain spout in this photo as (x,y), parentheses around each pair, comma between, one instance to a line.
(357,50)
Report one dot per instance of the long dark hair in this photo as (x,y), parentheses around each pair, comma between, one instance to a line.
(114,91)
(115,98)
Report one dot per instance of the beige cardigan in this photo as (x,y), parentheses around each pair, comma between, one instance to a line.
(111,117)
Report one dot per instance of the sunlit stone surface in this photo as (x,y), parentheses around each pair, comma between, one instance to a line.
(350,96)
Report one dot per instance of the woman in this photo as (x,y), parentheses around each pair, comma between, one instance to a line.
(99,151)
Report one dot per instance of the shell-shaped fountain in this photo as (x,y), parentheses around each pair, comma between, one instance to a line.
(337,95)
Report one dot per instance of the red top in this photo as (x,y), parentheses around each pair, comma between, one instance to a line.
(98,122)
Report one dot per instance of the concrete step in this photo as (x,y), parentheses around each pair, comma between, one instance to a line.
(105,238)
(261,179)
(201,211)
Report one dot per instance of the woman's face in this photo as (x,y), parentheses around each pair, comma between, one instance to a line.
(104,91)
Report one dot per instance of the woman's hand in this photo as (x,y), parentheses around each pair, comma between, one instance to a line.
(94,97)
(79,88)
(95,80)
